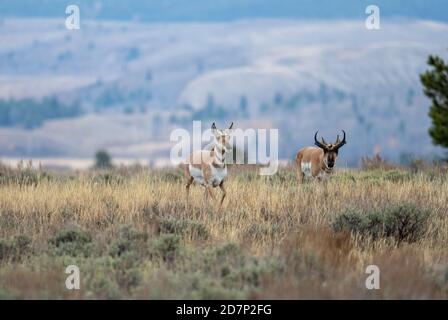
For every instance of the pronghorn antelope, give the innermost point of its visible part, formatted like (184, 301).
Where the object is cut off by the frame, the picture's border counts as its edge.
(208, 167)
(318, 162)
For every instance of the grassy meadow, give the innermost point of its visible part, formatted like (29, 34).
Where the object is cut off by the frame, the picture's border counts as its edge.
(133, 235)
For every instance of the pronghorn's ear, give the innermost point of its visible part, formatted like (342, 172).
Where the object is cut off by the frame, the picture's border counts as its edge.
(215, 131)
(231, 125)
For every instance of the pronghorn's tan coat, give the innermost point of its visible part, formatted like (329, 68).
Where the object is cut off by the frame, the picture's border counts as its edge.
(318, 162)
(208, 167)
(314, 157)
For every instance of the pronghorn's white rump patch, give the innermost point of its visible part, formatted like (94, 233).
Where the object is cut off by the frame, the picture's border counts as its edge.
(306, 168)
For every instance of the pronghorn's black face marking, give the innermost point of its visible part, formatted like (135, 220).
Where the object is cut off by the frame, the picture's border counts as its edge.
(331, 150)
(330, 157)
(222, 136)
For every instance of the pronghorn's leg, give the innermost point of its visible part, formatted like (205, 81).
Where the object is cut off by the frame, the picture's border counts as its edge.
(207, 193)
(206, 171)
(209, 190)
(300, 174)
(224, 193)
(322, 179)
(189, 179)
(187, 187)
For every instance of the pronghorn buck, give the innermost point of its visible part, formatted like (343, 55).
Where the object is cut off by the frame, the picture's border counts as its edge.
(208, 167)
(318, 162)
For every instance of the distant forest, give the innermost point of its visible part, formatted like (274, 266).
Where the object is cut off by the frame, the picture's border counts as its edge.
(29, 113)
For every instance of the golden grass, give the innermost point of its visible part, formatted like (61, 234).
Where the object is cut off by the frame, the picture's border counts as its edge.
(267, 217)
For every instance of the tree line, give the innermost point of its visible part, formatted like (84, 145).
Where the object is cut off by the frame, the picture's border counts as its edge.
(30, 113)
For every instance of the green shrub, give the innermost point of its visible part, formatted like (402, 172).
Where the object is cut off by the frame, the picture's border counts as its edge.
(406, 222)
(352, 220)
(227, 250)
(209, 289)
(5, 249)
(129, 233)
(102, 285)
(21, 244)
(7, 295)
(222, 255)
(184, 227)
(256, 232)
(127, 272)
(403, 222)
(231, 270)
(16, 249)
(128, 239)
(119, 247)
(166, 246)
(71, 242)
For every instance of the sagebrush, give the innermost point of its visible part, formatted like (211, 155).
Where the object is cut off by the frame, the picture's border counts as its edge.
(133, 235)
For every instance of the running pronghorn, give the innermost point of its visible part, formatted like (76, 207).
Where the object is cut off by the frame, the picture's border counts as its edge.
(318, 162)
(208, 167)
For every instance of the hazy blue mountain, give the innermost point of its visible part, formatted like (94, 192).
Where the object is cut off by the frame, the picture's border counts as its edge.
(225, 10)
(136, 82)
(124, 84)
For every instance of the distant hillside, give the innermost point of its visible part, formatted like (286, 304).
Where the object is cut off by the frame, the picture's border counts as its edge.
(135, 82)
(226, 10)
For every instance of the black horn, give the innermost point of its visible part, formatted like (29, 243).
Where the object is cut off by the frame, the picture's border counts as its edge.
(339, 143)
(231, 125)
(317, 143)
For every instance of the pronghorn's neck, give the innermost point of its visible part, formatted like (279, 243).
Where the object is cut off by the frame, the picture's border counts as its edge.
(219, 152)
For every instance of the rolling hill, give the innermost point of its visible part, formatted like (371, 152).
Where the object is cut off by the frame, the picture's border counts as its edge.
(136, 82)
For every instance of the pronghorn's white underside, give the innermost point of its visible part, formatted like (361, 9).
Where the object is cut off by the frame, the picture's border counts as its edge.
(217, 176)
(197, 175)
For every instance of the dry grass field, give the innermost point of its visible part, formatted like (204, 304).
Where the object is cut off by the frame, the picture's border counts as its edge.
(133, 235)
